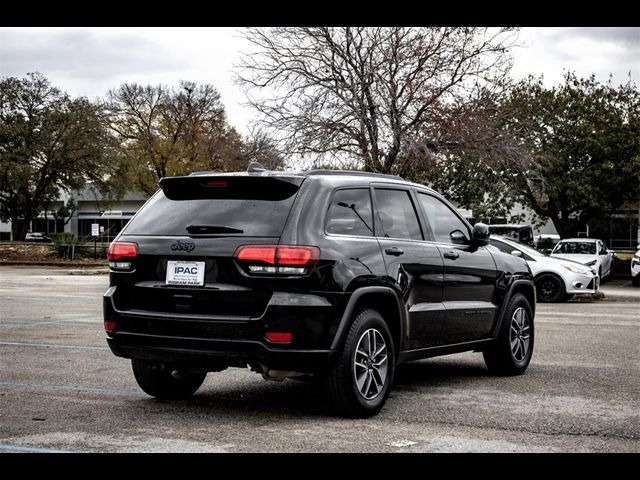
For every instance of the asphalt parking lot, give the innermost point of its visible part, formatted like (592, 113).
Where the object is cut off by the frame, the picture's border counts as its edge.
(61, 389)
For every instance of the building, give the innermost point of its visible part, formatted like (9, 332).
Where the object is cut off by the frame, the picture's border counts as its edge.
(111, 217)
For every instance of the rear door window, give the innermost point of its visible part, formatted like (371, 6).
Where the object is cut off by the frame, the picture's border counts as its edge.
(350, 213)
(397, 214)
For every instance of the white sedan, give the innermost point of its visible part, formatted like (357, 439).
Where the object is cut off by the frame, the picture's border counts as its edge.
(588, 251)
(557, 280)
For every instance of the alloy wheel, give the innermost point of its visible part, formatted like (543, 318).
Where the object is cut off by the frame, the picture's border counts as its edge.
(370, 364)
(520, 334)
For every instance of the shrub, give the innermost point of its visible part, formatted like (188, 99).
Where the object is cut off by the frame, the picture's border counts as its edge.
(64, 238)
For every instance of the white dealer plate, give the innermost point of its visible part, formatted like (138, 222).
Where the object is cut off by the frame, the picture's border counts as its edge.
(185, 273)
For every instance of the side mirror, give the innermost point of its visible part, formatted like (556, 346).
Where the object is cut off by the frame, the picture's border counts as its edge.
(480, 235)
(517, 253)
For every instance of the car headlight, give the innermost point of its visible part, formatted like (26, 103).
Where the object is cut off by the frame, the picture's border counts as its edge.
(591, 263)
(577, 269)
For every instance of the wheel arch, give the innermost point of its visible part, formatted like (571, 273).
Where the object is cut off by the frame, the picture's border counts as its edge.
(382, 299)
(525, 287)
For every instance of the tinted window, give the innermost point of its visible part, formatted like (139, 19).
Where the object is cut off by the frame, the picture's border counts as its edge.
(445, 225)
(585, 248)
(230, 216)
(520, 234)
(502, 246)
(350, 213)
(399, 219)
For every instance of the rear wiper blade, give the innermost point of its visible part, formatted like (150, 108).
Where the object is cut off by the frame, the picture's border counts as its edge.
(211, 230)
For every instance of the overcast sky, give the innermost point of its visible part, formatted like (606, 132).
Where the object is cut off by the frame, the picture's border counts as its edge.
(89, 61)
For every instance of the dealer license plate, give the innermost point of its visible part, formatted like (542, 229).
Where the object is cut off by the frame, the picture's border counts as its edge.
(185, 273)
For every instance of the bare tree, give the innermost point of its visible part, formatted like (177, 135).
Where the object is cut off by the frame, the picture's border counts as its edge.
(364, 93)
(258, 146)
(165, 131)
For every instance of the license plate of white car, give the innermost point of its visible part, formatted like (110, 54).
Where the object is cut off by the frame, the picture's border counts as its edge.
(185, 273)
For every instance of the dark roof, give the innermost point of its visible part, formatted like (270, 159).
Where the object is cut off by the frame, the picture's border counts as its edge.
(347, 174)
(331, 176)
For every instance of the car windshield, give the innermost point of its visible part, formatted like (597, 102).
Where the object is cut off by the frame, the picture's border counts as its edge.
(521, 246)
(581, 248)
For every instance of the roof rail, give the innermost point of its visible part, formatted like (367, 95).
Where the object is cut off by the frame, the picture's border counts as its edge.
(357, 173)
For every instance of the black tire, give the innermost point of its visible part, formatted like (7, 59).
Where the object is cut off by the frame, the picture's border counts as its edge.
(550, 288)
(500, 357)
(635, 281)
(340, 382)
(156, 379)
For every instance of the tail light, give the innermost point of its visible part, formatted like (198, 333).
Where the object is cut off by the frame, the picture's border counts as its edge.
(121, 254)
(273, 259)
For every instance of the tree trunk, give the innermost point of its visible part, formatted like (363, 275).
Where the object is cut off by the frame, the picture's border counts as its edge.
(558, 223)
(19, 228)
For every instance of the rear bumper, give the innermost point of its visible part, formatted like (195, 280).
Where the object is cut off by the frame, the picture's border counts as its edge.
(212, 353)
(211, 342)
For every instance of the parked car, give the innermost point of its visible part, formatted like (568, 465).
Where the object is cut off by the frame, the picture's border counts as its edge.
(588, 251)
(556, 279)
(336, 277)
(635, 268)
(520, 233)
(37, 237)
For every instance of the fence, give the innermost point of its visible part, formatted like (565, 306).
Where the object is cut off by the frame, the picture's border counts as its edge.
(47, 251)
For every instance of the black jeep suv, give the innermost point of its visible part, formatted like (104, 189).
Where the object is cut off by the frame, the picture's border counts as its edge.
(328, 275)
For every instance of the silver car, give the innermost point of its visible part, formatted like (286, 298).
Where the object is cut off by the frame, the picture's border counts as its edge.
(557, 280)
(591, 252)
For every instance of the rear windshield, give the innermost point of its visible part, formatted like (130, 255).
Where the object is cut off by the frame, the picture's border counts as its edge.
(254, 212)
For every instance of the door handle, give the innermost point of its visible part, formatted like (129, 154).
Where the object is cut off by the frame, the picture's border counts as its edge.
(395, 251)
(451, 255)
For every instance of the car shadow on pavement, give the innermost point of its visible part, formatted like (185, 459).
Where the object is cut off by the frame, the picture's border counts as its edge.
(439, 373)
(306, 399)
(257, 398)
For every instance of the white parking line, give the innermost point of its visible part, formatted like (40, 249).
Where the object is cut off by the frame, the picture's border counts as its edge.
(53, 345)
(586, 315)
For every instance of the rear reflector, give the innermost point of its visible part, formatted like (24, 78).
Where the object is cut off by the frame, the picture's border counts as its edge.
(109, 326)
(272, 259)
(279, 337)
